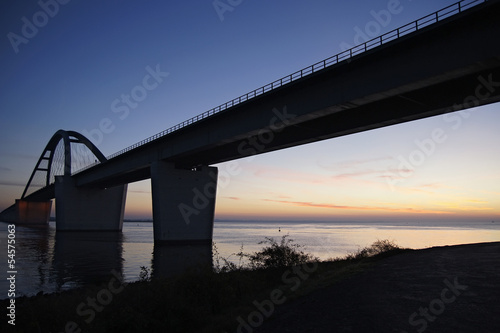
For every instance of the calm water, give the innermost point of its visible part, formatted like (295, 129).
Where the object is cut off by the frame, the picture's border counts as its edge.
(48, 261)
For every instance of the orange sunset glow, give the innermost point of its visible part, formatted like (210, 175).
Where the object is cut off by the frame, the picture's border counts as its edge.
(365, 176)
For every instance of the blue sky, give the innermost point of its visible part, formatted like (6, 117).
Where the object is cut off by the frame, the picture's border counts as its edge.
(73, 71)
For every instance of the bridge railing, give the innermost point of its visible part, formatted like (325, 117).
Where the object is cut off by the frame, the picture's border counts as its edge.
(346, 55)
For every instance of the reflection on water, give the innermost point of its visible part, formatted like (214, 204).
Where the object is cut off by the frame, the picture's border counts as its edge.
(336, 239)
(51, 261)
(48, 261)
(169, 260)
(82, 258)
(34, 253)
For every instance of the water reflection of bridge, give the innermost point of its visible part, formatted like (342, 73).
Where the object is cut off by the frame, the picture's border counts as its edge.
(56, 261)
(85, 258)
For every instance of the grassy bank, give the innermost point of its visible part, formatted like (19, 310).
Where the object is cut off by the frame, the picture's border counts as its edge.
(211, 299)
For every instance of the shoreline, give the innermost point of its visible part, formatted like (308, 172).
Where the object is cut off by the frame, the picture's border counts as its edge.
(392, 286)
(450, 288)
(93, 256)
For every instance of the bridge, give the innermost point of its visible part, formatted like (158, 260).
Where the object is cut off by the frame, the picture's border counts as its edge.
(444, 62)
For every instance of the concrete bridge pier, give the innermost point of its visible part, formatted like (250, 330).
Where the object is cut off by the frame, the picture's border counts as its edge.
(29, 212)
(183, 203)
(85, 209)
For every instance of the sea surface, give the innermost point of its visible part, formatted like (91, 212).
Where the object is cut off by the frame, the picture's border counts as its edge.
(46, 261)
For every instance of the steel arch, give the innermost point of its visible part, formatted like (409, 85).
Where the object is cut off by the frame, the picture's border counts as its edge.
(68, 137)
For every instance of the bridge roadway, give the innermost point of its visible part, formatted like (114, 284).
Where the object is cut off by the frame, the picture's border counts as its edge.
(450, 65)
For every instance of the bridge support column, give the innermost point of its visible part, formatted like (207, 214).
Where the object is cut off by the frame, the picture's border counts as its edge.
(80, 209)
(183, 203)
(32, 212)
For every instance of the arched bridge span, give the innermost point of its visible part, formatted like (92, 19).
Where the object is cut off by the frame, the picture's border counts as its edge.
(58, 159)
(77, 208)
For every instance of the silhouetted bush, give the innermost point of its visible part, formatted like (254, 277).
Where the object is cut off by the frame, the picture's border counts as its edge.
(378, 248)
(223, 265)
(275, 255)
(286, 253)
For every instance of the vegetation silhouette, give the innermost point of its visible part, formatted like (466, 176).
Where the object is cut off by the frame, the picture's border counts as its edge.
(286, 253)
(200, 300)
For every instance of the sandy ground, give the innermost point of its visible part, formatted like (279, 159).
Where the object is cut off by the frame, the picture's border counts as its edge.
(441, 289)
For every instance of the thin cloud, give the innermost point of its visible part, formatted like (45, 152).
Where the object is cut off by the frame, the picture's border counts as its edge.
(396, 174)
(426, 188)
(478, 201)
(465, 205)
(333, 206)
(351, 164)
(10, 183)
(288, 175)
(22, 156)
(489, 192)
(365, 176)
(278, 195)
(432, 185)
(373, 170)
(232, 198)
(357, 174)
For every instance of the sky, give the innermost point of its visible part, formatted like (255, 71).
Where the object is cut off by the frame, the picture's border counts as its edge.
(71, 70)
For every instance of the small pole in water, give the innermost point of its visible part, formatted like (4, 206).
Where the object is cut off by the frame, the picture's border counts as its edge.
(279, 229)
